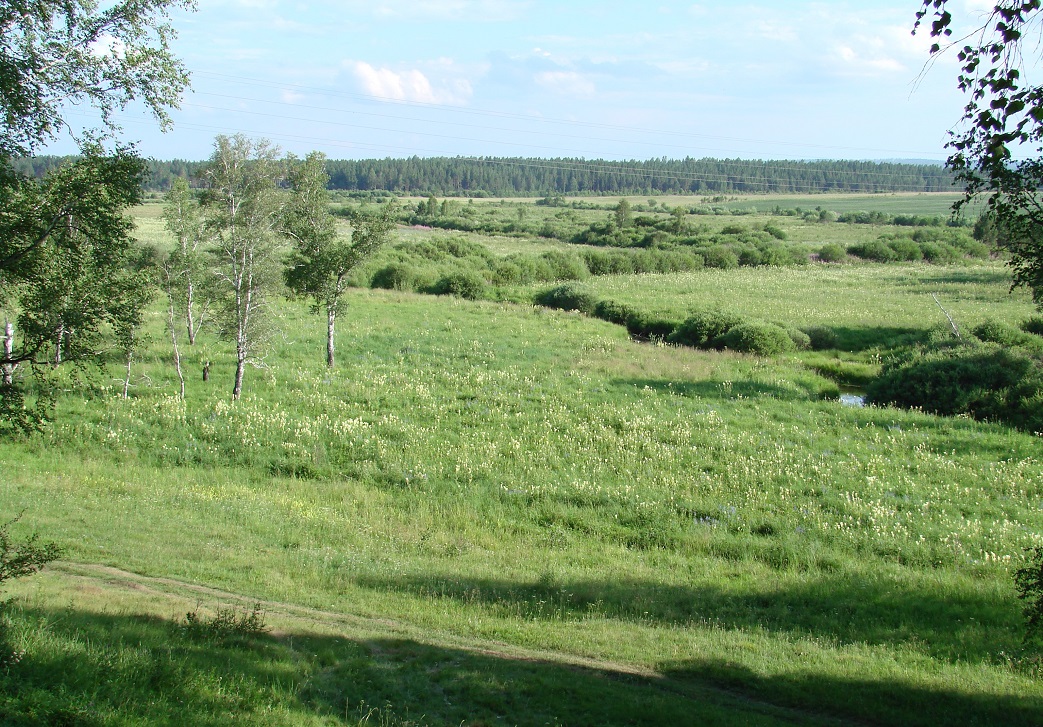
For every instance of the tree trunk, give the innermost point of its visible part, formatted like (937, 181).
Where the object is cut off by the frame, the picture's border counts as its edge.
(192, 328)
(240, 369)
(177, 351)
(126, 379)
(8, 367)
(331, 319)
(58, 345)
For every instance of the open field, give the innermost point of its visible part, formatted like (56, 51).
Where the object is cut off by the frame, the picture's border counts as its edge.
(852, 297)
(491, 513)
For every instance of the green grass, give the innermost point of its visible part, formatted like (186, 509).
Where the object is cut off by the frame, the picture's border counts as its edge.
(867, 300)
(504, 474)
(491, 513)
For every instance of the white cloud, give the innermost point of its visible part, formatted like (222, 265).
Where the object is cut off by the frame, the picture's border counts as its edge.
(410, 85)
(565, 83)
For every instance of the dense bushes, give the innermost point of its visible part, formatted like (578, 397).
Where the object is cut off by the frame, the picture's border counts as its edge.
(1007, 335)
(463, 284)
(703, 327)
(938, 246)
(832, 252)
(568, 297)
(758, 337)
(985, 381)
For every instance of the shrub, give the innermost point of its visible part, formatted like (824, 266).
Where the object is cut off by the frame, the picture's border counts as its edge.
(568, 297)
(227, 624)
(831, 252)
(1005, 334)
(1033, 325)
(775, 231)
(1028, 581)
(875, 250)
(649, 325)
(464, 284)
(821, 338)
(507, 273)
(750, 257)
(801, 340)
(939, 253)
(702, 327)
(565, 266)
(720, 256)
(775, 255)
(988, 382)
(613, 312)
(757, 337)
(396, 276)
(905, 249)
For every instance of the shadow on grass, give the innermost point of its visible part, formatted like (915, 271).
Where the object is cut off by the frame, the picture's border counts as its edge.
(857, 339)
(90, 669)
(948, 626)
(882, 702)
(714, 389)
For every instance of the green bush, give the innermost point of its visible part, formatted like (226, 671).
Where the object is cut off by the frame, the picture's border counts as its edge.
(228, 624)
(613, 312)
(750, 256)
(720, 256)
(939, 253)
(832, 252)
(507, 273)
(801, 340)
(463, 284)
(1033, 325)
(702, 327)
(565, 266)
(905, 249)
(875, 250)
(988, 382)
(396, 276)
(568, 297)
(1028, 580)
(821, 338)
(775, 255)
(994, 331)
(648, 325)
(757, 337)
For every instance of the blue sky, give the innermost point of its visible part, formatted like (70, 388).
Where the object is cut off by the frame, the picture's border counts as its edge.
(606, 79)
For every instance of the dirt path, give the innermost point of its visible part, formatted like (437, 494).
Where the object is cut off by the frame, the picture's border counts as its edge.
(288, 619)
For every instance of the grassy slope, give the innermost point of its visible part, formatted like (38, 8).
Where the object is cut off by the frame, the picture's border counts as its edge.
(533, 478)
(497, 494)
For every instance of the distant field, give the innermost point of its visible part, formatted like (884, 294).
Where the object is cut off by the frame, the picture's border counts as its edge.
(928, 203)
(851, 296)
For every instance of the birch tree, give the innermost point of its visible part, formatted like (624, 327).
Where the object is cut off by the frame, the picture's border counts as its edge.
(185, 267)
(242, 207)
(321, 259)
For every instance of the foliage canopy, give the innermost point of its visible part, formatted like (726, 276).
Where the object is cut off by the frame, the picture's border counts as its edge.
(996, 152)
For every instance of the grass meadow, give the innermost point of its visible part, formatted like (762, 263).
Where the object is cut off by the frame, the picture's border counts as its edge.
(492, 513)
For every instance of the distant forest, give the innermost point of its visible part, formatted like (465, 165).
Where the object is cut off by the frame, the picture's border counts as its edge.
(519, 177)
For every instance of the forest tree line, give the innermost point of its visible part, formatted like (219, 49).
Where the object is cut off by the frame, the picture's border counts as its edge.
(522, 177)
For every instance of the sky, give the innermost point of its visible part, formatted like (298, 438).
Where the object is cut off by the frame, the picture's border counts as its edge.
(791, 79)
